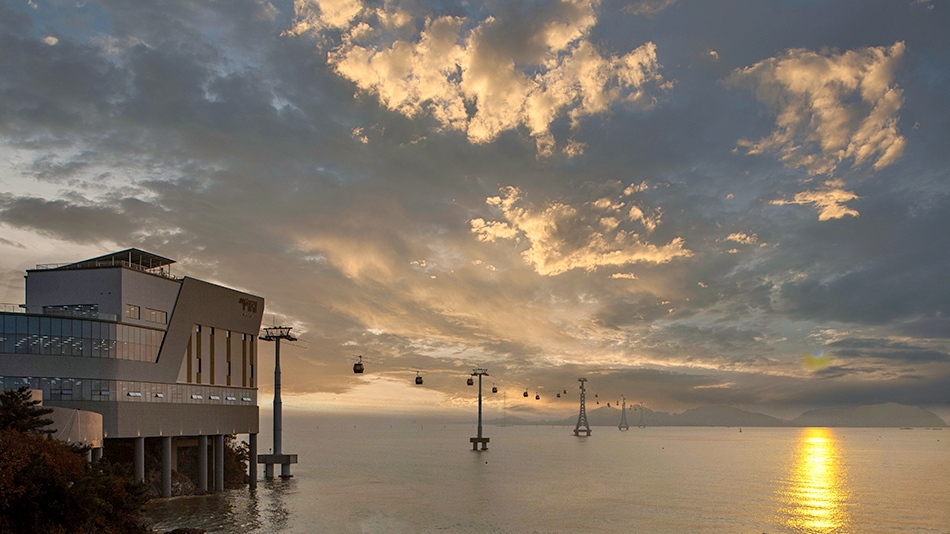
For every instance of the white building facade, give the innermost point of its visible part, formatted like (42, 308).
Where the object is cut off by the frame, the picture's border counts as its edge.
(165, 359)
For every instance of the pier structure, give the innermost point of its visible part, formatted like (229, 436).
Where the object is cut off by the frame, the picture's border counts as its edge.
(582, 425)
(479, 439)
(275, 334)
(623, 415)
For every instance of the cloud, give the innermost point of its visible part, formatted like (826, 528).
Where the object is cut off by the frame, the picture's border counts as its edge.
(561, 237)
(742, 237)
(624, 276)
(828, 199)
(829, 107)
(648, 8)
(524, 68)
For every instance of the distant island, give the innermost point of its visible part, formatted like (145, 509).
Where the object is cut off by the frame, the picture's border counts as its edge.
(889, 414)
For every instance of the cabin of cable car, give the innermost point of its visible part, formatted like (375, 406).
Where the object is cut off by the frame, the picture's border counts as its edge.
(470, 382)
(358, 366)
(418, 379)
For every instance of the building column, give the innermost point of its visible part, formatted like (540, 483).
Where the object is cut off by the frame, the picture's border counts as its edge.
(252, 461)
(138, 462)
(166, 466)
(96, 454)
(203, 463)
(219, 463)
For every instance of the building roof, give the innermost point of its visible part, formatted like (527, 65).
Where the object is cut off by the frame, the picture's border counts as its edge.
(133, 256)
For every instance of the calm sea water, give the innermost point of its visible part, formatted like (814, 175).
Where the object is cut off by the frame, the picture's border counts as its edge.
(365, 476)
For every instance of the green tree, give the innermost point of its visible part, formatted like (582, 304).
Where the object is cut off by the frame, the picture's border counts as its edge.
(18, 412)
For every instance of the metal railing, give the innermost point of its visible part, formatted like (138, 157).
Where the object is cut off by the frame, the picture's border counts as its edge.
(107, 263)
(11, 308)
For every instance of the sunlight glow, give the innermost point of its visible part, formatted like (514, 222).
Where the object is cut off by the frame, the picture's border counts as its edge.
(814, 497)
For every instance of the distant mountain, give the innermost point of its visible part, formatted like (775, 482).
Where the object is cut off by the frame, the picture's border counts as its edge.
(702, 416)
(878, 415)
(725, 416)
(889, 414)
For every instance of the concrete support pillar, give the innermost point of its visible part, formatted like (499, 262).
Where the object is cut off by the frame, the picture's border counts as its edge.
(166, 466)
(96, 454)
(268, 471)
(138, 462)
(252, 462)
(219, 463)
(285, 471)
(203, 463)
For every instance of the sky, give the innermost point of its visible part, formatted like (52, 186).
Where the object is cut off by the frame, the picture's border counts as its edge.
(743, 203)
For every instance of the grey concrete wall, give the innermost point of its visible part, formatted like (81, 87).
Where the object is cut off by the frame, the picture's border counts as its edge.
(148, 291)
(129, 419)
(76, 286)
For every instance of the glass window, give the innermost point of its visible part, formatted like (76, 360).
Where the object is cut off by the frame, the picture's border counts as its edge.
(96, 329)
(44, 326)
(56, 327)
(34, 325)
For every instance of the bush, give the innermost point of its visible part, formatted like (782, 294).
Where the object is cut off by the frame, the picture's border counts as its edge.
(48, 486)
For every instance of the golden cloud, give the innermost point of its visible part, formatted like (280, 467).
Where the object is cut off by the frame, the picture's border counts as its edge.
(560, 237)
(829, 199)
(830, 107)
(486, 79)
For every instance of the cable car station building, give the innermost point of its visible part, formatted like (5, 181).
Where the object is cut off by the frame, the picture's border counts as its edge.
(160, 357)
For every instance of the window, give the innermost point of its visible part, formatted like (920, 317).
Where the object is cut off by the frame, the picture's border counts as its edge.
(132, 311)
(156, 316)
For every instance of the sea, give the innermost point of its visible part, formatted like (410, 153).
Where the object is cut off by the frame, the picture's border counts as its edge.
(360, 475)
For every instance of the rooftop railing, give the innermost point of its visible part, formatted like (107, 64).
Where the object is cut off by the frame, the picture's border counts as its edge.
(158, 271)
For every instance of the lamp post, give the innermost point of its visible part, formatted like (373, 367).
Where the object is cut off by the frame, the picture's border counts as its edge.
(479, 439)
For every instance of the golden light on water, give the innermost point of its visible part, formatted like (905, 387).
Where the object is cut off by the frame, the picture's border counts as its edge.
(815, 494)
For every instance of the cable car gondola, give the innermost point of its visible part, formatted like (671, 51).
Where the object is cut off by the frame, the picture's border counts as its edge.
(358, 366)
(418, 379)
(537, 397)
(526, 393)
(494, 389)
(559, 394)
(470, 382)
(565, 392)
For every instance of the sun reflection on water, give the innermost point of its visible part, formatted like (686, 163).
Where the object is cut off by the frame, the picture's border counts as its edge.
(815, 495)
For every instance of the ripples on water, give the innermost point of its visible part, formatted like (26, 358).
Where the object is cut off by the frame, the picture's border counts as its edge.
(383, 478)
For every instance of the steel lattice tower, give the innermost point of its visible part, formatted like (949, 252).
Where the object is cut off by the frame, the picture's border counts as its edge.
(623, 415)
(582, 425)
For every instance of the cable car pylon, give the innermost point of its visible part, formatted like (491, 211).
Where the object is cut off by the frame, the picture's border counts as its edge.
(623, 415)
(479, 439)
(582, 425)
